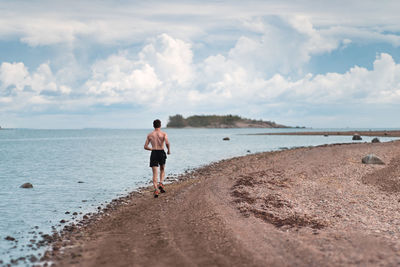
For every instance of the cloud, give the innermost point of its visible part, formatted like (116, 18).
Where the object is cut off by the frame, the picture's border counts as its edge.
(171, 58)
(230, 80)
(165, 64)
(14, 74)
(19, 88)
(163, 73)
(284, 44)
(58, 22)
(16, 77)
(380, 85)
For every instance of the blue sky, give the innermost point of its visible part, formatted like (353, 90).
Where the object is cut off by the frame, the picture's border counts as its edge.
(120, 64)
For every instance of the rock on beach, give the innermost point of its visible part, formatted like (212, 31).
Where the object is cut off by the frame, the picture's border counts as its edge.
(372, 159)
(376, 140)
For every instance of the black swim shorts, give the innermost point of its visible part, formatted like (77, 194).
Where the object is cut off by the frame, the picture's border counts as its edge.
(157, 157)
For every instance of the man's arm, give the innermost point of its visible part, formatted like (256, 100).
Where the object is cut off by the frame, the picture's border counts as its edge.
(167, 144)
(146, 145)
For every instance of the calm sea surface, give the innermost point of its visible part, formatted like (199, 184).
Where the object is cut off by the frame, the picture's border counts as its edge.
(110, 163)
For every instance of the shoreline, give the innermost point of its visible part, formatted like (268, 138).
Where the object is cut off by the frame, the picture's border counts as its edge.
(219, 207)
(390, 133)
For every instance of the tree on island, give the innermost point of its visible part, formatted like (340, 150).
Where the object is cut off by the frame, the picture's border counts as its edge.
(218, 121)
(204, 121)
(176, 121)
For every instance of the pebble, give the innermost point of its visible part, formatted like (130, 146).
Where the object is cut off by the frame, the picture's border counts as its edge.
(33, 258)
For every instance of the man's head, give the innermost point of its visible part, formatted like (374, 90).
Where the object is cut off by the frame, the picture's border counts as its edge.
(156, 124)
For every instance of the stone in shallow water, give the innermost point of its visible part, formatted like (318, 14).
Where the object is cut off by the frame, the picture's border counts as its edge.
(10, 238)
(372, 159)
(27, 185)
(226, 139)
(357, 137)
(376, 140)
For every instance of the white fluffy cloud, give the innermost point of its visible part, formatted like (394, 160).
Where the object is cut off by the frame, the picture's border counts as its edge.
(172, 59)
(358, 85)
(19, 88)
(164, 65)
(163, 73)
(226, 80)
(13, 74)
(16, 77)
(283, 45)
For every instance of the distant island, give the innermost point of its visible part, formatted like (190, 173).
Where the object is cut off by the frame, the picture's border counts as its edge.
(217, 121)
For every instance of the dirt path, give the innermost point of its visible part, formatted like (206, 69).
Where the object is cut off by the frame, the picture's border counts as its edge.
(303, 207)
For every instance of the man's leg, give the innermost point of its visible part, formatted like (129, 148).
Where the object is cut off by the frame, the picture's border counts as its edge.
(155, 170)
(162, 176)
(162, 173)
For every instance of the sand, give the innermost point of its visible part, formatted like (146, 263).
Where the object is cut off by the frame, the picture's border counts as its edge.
(304, 207)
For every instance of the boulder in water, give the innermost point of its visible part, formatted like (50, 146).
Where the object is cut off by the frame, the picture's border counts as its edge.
(27, 185)
(357, 137)
(376, 140)
(372, 159)
(9, 238)
(226, 139)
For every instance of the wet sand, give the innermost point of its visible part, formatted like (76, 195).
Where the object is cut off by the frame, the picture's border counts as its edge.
(345, 133)
(303, 207)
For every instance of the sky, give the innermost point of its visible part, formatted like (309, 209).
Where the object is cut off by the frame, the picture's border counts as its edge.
(122, 64)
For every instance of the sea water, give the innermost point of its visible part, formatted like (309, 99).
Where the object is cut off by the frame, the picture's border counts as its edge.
(76, 170)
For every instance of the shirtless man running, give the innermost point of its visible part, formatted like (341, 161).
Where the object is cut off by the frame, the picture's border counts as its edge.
(157, 158)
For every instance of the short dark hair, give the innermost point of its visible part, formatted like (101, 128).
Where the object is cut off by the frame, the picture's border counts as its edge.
(157, 123)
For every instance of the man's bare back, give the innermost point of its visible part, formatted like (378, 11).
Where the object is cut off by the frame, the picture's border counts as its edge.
(157, 138)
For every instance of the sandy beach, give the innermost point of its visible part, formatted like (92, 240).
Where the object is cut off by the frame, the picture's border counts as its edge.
(315, 206)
